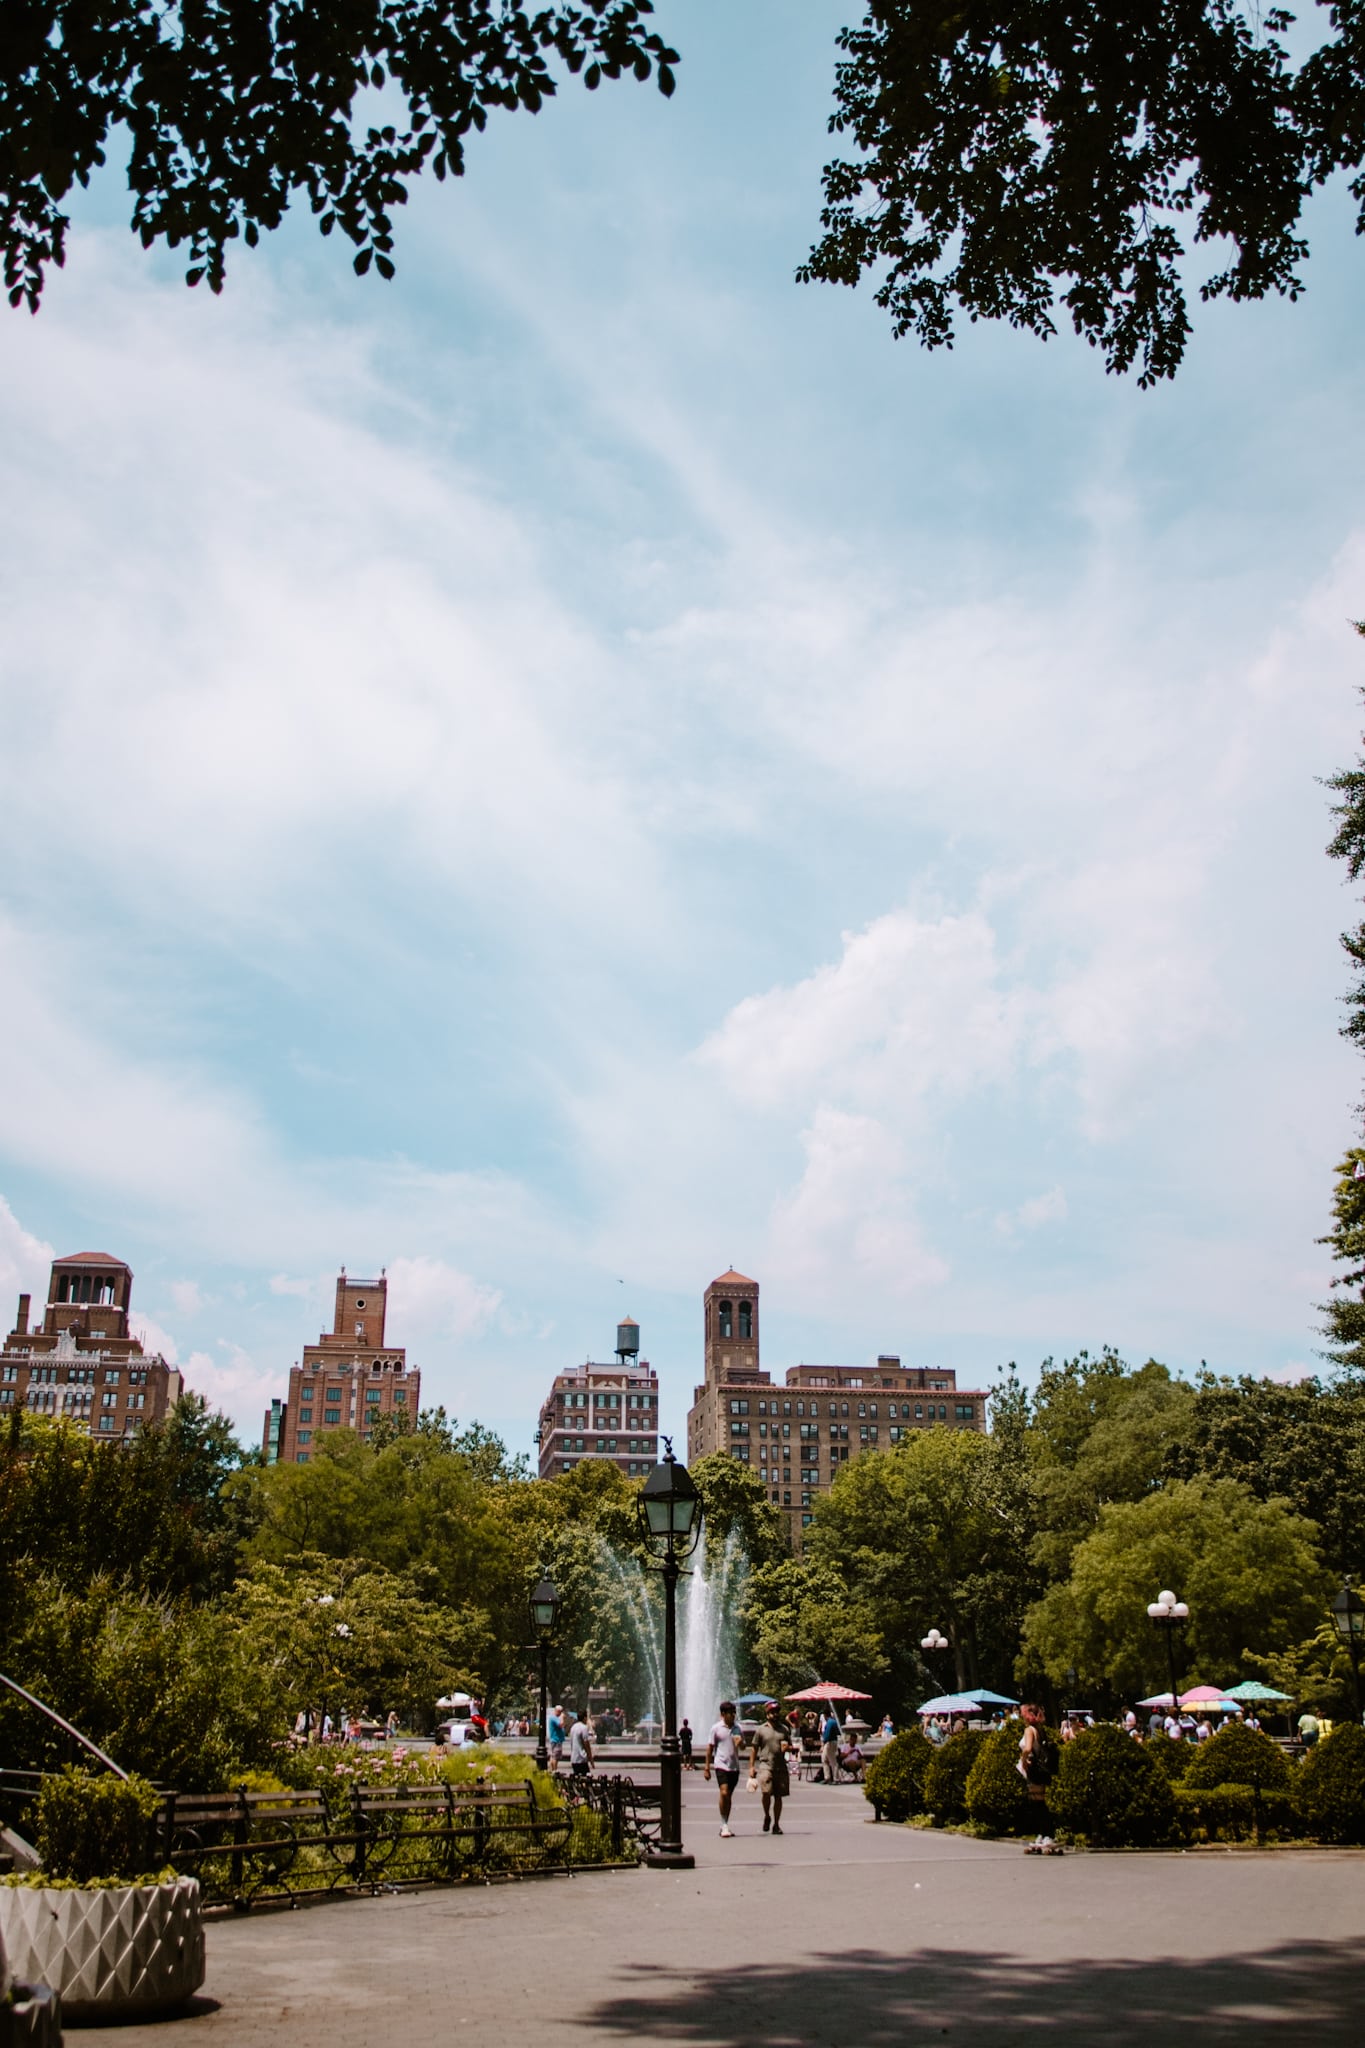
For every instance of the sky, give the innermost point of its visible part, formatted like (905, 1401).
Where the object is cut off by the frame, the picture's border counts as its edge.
(592, 763)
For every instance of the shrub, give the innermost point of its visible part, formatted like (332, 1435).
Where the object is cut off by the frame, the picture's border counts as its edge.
(945, 1781)
(1239, 1756)
(997, 1796)
(895, 1777)
(1172, 1759)
(1329, 1786)
(91, 1827)
(1232, 1813)
(1108, 1789)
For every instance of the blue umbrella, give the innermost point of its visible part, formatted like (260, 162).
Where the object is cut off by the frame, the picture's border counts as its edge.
(752, 1699)
(963, 1702)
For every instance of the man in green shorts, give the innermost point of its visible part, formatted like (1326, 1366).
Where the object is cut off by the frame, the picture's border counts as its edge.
(769, 1764)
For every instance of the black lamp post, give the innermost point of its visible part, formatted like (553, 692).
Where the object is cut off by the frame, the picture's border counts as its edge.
(933, 1643)
(1348, 1612)
(1170, 1614)
(670, 1517)
(544, 1611)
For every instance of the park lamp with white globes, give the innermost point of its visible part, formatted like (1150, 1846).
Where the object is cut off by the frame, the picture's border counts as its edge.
(1348, 1615)
(670, 1522)
(933, 1643)
(544, 1614)
(1169, 1614)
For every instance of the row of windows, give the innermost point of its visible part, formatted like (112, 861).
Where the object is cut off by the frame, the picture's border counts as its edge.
(636, 1467)
(80, 1288)
(725, 1319)
(598, 1399)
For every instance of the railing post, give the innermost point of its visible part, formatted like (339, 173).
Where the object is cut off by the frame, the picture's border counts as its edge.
(480, 1823)
(241, 1829)
(618, 1816)
(358, 1818)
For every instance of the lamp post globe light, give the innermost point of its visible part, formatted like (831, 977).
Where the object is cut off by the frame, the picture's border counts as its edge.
(670, 1521)
(544, 1613)
(1169, 1614)
(1348, 1612)
(933, 1643)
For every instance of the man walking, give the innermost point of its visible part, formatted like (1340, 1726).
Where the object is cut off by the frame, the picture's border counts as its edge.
(554, 1735)
(769, 1753)
(722, 1755)
(580, 1749)
(685, 1743)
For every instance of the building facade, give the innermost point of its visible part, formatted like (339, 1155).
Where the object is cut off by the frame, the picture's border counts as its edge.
(603, 1411)
(798, 1437)
(83, 1365)
(345, 1380)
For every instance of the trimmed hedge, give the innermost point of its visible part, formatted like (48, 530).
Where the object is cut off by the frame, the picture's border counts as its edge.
(1329, 1786)
(1238, 1756)
(895, 1777)
(89, 1827)
(997, 1796)
(1172, 1759)
(1230, 1813)
(945, 1781)
(1108, 1789)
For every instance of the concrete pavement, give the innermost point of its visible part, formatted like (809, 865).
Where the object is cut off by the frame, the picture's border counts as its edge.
(841, 1932)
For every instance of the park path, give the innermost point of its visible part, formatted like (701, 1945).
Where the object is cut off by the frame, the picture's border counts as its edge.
(841, 1933)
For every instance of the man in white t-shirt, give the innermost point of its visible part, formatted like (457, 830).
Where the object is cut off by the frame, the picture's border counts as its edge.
(580, 1749)
(722, 1756)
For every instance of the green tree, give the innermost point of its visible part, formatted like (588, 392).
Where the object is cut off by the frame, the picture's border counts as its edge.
(1343, 1316)
(224, 113)
(1099, 1432)
(735, 1503)
(800, 1622)
(1017, 158)
(933, 1533)
(1249, 1569)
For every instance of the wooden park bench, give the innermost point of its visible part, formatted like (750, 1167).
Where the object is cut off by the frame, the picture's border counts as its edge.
(410, 1834)
(241, 1843)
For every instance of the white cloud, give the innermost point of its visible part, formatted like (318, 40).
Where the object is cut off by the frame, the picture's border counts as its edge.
(154, 1340)
(234, 1383)
(281, 1283)
(1032, 1214)
(24, 1264)
(848, 1225)
(431, 1298)
(187, 1296)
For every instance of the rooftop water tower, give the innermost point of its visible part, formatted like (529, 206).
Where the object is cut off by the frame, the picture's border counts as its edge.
(627, 1341)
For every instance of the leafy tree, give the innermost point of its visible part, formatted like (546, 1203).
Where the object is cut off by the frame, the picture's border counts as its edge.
(1021, 156)
(1099, 1432)
(1344, 1315)
(1304, 1444)
(735, 1503)
(933, 1532)
(227, 112)
(801, 1622)
(1249, 1569)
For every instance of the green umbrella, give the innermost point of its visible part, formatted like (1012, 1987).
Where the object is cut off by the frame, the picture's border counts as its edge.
(1253, 1692)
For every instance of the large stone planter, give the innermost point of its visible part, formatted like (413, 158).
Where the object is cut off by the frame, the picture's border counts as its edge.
(106, 1953)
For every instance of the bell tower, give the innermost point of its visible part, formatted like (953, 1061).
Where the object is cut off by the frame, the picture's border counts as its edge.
(730, 1312)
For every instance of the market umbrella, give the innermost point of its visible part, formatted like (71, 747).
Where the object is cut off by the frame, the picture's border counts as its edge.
(994, 1699)
(951, 1703)
(826, 1692)
(1202, 1696)
(752, 1699)
(1251, 1691)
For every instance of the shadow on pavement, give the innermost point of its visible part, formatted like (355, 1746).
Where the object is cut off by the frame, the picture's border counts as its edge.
(1300, 1992)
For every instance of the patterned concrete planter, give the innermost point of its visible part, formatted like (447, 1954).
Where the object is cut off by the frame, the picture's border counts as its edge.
(106, 1953)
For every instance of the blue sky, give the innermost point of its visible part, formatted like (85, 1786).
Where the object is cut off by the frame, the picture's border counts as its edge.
(592, 763)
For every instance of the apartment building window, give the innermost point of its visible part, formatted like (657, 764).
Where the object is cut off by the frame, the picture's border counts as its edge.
(106, 1422)
(965, 1411)
(806, 1521)
(786, 1500)
(6, 1396)
(109, 1400)
(894, 1433)
(739, 1429)
(305, 1436)
(111, 1375)
(371, 1394)
(739, 1407)
(786, 1407)
(786, 1429)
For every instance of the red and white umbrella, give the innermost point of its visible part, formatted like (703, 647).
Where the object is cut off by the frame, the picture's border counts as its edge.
(828, 1692)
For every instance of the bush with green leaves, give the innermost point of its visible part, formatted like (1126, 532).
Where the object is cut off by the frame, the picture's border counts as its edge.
(945, 1781)
(997, 1796)
(1109, 1790)
(89, 1827)
(1172, 1759)
(1329, 1786)
(895, 1777)
(1238, 1756)
(1232, 1813)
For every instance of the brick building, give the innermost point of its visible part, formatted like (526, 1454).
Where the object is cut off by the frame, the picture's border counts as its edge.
(798, 1437)
(344, 1380)
(83, 1365)
(603, 1411)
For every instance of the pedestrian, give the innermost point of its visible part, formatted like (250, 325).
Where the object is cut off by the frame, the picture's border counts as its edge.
(580, 1750)
(1037, 1767)
(829, 1750)
(1130, 1723)
(554, 1735)
(768, 1755)
(1156, 1721)
(438, 1735)
(887, 1729)
(933, 1729)
(685, 1743)
(722, 1756)
(1204, 1729)
(391, 1726)
(1308, 1728)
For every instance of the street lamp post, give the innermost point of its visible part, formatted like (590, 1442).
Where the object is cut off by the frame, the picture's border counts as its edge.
(1348, 1612)
(544, 1612)
(670, 1519)
(1170, 1614)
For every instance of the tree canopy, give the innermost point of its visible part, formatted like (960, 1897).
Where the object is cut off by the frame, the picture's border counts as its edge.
(1017, 158)
(228, 112)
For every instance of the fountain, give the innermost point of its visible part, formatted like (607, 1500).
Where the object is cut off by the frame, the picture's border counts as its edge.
(709, 1598)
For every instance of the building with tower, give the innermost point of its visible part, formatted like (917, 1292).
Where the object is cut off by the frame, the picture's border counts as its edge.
(798, 1437)
(83, 1365)
(603, 1411)
(344, 1381)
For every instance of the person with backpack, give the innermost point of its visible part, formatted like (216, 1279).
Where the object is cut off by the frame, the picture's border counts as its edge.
(1037, 1767)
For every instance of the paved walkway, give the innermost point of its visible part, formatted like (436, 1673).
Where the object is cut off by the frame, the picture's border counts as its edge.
(841, 1933)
